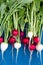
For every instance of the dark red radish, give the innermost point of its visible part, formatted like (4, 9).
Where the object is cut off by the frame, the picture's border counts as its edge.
(12, 40)
(25, 40)
(21, 35)
(36, 40)
(32, 47)
(14, 32)
(1, 40)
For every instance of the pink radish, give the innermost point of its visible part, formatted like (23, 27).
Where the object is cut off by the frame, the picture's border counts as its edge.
(17, 47)
(4, 46)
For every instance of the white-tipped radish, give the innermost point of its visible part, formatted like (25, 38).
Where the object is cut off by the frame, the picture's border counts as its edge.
(17, 46)
(30, 34)
(39, 48)
(4, 46)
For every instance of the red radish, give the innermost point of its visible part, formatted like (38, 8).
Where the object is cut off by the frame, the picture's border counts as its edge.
(12, 40)
(25, 40)
(1, 39)
(14, 32)
(32, 47)
(36, 40)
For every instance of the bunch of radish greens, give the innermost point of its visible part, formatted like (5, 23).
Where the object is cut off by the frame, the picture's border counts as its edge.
(14, 16)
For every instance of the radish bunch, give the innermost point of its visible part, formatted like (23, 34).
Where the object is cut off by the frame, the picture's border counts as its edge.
(31, 41)
(14, 23)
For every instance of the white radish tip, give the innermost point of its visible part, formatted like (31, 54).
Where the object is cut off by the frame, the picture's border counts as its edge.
(4, 46)
(17, 45)
(39, 47)
(30, 34)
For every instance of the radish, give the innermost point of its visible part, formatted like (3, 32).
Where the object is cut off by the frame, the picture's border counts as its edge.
(4, 46)
(39, 48)
(14, 32)
(17, 46)
(36, 40)
(25, 41)
(12, 40)
(32, 47)
(21, 35)
(1, 40)
(30, 34)
(31, 52)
